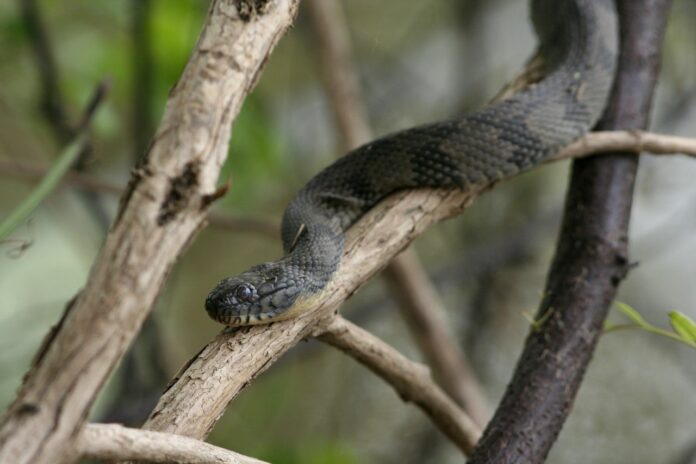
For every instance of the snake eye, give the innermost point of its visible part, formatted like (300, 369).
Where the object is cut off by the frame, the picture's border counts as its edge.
(244, 292)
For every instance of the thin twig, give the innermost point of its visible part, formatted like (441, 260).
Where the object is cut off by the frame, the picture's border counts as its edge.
(635, 141)
(418, 300)
(411, 380)
(116, 442)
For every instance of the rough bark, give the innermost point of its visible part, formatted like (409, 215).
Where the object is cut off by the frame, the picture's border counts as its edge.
(164, 206)
(591, 260)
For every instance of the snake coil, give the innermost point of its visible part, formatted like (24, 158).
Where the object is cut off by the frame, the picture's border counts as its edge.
(578, 48)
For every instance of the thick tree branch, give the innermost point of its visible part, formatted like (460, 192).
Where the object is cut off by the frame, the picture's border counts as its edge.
(418, 300)
(114, 442)
(412, 381)
(164, 206)
(591, 260)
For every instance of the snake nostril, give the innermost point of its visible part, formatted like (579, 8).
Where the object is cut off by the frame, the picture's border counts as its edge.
(214, 303)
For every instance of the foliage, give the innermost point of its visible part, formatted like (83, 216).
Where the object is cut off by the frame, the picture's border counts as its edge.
(684, 328)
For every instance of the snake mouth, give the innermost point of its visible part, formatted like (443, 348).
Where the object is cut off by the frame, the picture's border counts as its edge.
(222, 310)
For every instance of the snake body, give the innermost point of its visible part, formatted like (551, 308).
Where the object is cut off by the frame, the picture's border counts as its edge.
(578, 48)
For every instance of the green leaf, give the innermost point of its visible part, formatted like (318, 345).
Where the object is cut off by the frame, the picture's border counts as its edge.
(631, 313)
(683, 325)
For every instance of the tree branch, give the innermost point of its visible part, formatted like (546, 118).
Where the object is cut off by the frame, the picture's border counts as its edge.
(411, 380)
(163, 208)
(634, 141)
(115, 442)
(591, 260)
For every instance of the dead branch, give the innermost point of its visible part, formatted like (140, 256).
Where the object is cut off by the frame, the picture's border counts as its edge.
(160, 212)
(634, 141)
(411, 380)
(115, 442)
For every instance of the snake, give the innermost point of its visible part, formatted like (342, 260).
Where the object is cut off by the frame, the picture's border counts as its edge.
(578, 42)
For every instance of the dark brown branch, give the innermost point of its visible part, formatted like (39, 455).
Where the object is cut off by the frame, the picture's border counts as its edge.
(591, 260)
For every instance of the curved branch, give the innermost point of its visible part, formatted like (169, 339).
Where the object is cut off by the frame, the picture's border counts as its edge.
(115, 442)
(411, 380)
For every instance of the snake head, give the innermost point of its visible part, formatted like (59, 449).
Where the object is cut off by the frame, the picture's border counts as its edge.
(263, 294)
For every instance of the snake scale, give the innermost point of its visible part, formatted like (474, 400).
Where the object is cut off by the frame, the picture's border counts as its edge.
(578, 49)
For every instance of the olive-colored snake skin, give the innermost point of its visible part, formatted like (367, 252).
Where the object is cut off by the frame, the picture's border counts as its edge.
(578, 46)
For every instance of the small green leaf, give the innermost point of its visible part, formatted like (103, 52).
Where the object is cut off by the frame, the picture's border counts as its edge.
(683, 325)
(631, 313)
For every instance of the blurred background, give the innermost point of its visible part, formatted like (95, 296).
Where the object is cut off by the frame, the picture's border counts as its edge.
(417, 62)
